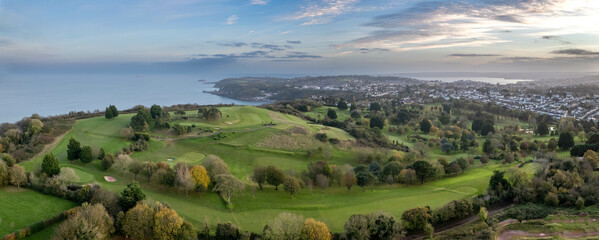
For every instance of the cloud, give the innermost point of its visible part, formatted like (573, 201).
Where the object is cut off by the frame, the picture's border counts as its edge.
(323, 12)
(441, 24)
(576, 52)
(521, 59)
(232, 19)
(273, 47)
(369, 50)
(259, 2)
(294, 42)
(472, 55)
(232, 44)
(300, 55)
(555, 38)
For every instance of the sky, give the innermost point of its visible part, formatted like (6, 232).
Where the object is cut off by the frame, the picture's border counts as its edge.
(270, 37)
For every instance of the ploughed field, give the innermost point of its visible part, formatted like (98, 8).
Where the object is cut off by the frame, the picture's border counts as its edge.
(246, 137)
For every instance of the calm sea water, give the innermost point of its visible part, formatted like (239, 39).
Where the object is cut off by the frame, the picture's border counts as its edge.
(491, 80)
(23, 95)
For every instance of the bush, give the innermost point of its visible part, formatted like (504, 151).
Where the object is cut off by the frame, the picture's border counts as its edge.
(321, 137)
(141, 135)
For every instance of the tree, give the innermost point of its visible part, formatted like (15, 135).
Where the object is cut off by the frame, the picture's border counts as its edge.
(228, 186)
(167, 224)
(131, 195)
(365, 178)
(477, 125)
(4, 177)
(357, 227)
(322, 181)
(86, 154)
(315, 230)
(292, 185)
(101, 154)
(416, 218)
(488, 147)
(274, 176)
(50, 165)
(349, 180)
(392, 169)
(155, 111)
(342, 105)
(108, 113)
(179, 129)
(259, 176)
(332, 114)
(542, 129)
(109, 199)
(225, 231)
(565, 141)
(200, 177)
(89, 222)
(73, 150)
(148, 169)
(377, 121)
(135, 168)
(482, 214)
(551, 145)
(487, 128)
(425, 125)
(108, 161)
(17, 175)
(375, 106)
(423, 170)
(444, 119)
(185, 180)
(286, 226)
(139, 222)
(115, 112)
(375, 168)
(215, 166)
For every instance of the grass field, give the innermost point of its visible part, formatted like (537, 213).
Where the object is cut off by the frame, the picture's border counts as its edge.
(21, 207)
(241, 150)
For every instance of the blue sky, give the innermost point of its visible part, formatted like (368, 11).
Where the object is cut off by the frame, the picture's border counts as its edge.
(299, 37)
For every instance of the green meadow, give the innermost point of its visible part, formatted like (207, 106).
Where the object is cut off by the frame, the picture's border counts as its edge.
(21, 207)
(259, 137)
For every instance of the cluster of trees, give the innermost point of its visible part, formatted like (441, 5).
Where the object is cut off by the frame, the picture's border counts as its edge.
(111, 112)
(210, 114)
(27, 137)
(83, 153)
(11, 173)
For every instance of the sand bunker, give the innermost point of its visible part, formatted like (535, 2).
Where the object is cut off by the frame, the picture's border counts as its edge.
(109, 179)
(170, 159)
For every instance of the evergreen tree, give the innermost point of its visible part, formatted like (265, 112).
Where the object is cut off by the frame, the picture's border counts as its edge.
(342, 105)
(565, 141)
(50, 165)
(86, 154)
(130, 196)
(115, 112)
(425, 125)
(108, 113)
(332, 114)
(74, 150)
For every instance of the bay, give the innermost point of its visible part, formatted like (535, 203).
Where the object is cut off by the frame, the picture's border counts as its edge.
(24, 94)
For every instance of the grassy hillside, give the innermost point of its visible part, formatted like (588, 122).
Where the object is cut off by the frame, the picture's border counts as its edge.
(20, 207)
(247, 142)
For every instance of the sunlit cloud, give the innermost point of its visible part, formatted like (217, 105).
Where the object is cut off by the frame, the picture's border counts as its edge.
(428, 25)
(259, 2)
(323, 12)
(232, 19)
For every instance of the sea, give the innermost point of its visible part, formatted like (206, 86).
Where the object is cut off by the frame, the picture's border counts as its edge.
(25, 94)
(492, 80)
(22, 95)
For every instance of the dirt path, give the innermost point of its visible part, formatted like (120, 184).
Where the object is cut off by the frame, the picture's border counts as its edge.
(211, 134)
(48, 147)
(444, 228)
(511, 234)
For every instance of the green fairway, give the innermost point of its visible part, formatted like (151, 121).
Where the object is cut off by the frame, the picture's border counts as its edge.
(245, 143)
(22, 207)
